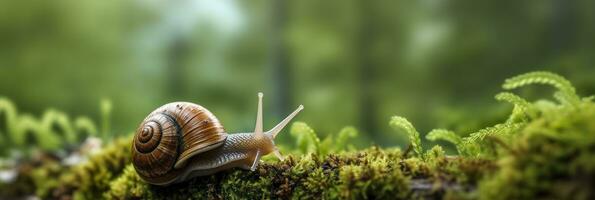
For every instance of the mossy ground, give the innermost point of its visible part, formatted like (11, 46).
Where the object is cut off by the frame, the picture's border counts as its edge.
(544, 150)
(372, 173)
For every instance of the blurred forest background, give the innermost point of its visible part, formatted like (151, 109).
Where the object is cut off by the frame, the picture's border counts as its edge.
(348, 62)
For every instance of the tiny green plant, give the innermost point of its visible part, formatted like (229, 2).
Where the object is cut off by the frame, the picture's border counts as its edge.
(523, 110)
(54, 131)
(446, 135)
(106, 109)
(28, 133)
(397, 122)
(564, 86)
(341, 142)
(58, 124)
(8, 114)
(84, 128)
(306, 139)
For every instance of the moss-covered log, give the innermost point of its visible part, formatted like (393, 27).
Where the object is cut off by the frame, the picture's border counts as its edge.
(369, 174)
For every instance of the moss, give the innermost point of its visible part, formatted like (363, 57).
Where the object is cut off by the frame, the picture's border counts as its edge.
(372, 173)
(91, 179)
(126, 186)
(554, 157)
(44, 177)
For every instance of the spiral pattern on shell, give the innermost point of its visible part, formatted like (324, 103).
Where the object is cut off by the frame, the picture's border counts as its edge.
(169, 136)
(156, 147)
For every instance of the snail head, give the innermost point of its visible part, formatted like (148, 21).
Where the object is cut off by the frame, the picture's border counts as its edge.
(267, 138)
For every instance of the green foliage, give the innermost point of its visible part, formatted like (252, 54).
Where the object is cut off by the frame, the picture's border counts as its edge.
(305, 138)
(58, 124)
(106, 110)
(446, 135)
(339, 143)
(7, 123)
(84, 128)
(54, 131)
(566, 89)
(397, 122)
(307, 141)
(552, 158)
(28, 134)
(473, 145)
(523, 112)
(521, 109)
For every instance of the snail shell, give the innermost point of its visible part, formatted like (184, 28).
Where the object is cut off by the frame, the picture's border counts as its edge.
(182, 140)
(169, 136)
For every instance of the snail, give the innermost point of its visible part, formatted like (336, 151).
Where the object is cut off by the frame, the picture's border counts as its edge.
(182, 140)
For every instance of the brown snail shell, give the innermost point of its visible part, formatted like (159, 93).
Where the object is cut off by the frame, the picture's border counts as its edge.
(169, 136)
(180, 140)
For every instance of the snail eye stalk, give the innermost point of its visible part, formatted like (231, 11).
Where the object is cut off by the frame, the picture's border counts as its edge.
(258, 127)
(285, 121)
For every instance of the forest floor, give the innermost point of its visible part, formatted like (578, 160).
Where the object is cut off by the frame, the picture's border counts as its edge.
(545, 149)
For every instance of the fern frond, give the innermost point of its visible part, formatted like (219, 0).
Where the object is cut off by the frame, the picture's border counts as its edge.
(546, 78)
(540, 77)
(397, 122)
(563, 99)
(84, 127)
(446, 135)
(470, 142)
(497, 129)
(306, 139)
(443, 134)
(347, 133)
(8, 113)
(521, 106)
(513, 99)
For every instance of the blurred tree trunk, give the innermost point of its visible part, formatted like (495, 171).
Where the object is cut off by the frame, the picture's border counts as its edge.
(279, 61)
(563, 26)
(177, 55)
(365, 69)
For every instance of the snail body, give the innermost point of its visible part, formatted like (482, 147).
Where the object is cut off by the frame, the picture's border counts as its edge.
(182, 140)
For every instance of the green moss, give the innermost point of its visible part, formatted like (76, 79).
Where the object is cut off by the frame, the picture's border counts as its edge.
(372, 173)
(92, 178)
(554, 157)
(126, 186)
(44, 177)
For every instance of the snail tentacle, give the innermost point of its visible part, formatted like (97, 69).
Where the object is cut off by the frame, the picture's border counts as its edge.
(258, 127)
(278, 154)
(256, 160)
(275, 130)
